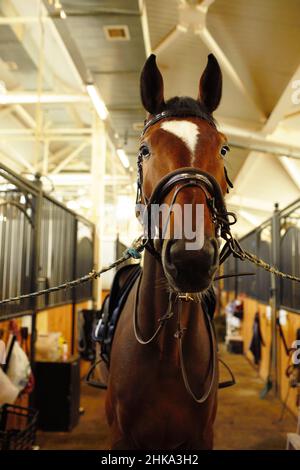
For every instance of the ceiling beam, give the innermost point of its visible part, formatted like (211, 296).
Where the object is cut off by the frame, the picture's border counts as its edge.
(82, 131)
(172, 35)
(254, 140)
(65, 162)
(193, 17)
(291, 169)
(44, 98)
(62, 152)
(235, 200)
(252, 219)
(145, 27)
(283, 105)
(11, 152)
(24, 116)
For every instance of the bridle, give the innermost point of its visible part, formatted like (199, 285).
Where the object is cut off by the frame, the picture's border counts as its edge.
(178, 180)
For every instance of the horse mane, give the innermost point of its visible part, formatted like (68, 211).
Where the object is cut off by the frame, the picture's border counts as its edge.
(185, 104)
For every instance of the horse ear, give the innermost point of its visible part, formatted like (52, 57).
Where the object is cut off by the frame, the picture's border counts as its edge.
(210, 86)
(152, 86)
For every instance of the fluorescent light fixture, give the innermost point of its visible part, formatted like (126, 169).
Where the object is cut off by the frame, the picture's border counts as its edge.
(32, 98)
(63, 15)
(97, 101)
(123, 157)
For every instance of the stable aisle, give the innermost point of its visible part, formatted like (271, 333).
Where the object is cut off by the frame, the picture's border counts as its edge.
(244, 421)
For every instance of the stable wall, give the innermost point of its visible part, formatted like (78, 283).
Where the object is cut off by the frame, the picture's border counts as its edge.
(252, 306)
(59, 319)
(289, 329)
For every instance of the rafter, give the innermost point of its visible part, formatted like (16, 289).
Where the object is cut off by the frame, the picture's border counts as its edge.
(69, 158)
(283, 105)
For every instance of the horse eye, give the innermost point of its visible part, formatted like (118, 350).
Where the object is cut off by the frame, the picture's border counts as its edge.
(224, 150)
(144, 151)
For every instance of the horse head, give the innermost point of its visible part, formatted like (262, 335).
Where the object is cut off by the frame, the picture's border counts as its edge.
(181, 160)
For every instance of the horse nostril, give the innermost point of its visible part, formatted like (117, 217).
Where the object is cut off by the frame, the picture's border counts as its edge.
(190, 270)
(178, 258)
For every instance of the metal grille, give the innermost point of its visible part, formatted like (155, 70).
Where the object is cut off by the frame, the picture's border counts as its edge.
(34, 227)
(290, 263)
(263, 278)
(247, 284)
(57, 256)
(16, 246)
(84, 259)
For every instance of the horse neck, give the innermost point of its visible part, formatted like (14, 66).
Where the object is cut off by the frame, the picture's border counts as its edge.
(153, 304)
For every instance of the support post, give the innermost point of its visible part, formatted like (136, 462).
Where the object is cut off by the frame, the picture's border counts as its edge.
(35, 276)
(74, 291)
(98, 197)
(275, 293)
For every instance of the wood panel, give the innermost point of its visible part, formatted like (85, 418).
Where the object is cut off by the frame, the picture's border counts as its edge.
(60, 319)
(56, 319)
(289, 329)
(251, 306)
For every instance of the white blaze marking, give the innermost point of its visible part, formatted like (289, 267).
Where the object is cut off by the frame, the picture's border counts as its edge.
(187, 131)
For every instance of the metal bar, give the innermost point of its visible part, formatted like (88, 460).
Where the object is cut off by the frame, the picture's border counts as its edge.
(45, 98)
(48, 132)
(69, 158)
(275, 296)
(9, 316)
(74, 293)
(54, 138)
(35, 264)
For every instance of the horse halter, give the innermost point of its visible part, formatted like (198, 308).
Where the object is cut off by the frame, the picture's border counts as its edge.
(179, 179)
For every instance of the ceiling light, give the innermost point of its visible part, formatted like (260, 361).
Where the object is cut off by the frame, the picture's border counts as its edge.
(32, 98)
(97, 101)
(123, 157)
(62, 14)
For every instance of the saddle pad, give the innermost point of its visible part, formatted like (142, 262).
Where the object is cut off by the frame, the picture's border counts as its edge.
(112, 308)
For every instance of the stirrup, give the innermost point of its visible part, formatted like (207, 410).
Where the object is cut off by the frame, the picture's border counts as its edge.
(227, 383)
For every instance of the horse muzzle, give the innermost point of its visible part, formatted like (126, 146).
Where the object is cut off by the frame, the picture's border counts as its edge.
(190, 270)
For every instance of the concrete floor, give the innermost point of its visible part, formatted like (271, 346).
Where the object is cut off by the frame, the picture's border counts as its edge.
(244, 421)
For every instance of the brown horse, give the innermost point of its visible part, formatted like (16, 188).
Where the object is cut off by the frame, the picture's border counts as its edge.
(151, 399)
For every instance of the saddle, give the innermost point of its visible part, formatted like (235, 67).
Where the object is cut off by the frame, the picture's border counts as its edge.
(112, 307)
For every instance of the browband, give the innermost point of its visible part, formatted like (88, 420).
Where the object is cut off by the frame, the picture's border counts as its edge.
(171, 113)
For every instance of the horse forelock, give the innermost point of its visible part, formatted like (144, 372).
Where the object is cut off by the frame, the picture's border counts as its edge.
(186, 105)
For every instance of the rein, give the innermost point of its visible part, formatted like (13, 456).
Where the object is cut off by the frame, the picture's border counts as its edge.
(177, 299)
(220, 216)
(222, 220)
